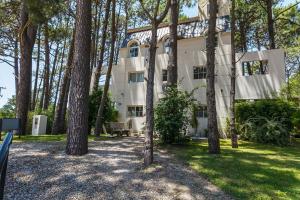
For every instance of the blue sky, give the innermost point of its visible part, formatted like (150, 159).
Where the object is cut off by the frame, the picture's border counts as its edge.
(7, 77)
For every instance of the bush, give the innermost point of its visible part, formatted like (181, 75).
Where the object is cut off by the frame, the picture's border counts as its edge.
(265, 121)
(296, 123)
(110, 113)
(172, 115)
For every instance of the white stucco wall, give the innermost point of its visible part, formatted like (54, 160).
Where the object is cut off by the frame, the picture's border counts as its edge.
(191, 52)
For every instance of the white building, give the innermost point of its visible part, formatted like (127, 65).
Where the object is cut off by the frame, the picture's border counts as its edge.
(128, 86)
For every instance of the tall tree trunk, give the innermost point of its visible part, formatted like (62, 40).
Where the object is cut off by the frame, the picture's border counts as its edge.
(27, 40)
(42, 97)
(59, 76)
(53, 71)
(243, 36)
(172, 63)
(47, 69)
(148, 152)
(97, 33)
(77, 138)
(118, 37)
(234, 138)
(257, 40)
(16, 68)
(93, 45)
(37, 70)
(126, 7)
(100, 120)
(155, 21)
(38, 91)
(101, 57)
(213, 133)
(271, 24)
(60, 111)
(244, 47)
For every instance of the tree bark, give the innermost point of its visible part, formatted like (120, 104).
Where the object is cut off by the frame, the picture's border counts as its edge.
(271, 24)
(60, 111)
(36, 71)
(213, 133)
(93, 41)
(233, 132)
(98, 25)
(27, 40)
(16, 68)
(100, 120)
(47, 69)
(101, 57)
(155, 21)
(38, 91)
(42, 97)
(118, 37)
(77, 138)
(59, 76)
(172, 63)
(53, 71)
(257, 40)
(148, 152)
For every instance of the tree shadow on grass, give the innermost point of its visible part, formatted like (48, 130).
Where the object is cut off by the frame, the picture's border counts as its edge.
(250, 172)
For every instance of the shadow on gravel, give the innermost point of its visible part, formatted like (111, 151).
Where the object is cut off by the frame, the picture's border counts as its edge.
(112, 170)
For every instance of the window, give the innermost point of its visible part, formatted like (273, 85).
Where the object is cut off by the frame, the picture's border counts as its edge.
(202, 112)
(167, 46)
(134, 50)
(164, 75)
(199, 72)
(135, 111)
(136, 77)
(258, 67)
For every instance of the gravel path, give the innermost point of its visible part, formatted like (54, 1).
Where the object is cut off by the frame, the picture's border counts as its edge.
(112, 170)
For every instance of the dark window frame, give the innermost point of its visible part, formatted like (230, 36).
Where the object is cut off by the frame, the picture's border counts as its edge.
(134, 78)
(134, 50)
(135, 111)
(202, 111)
(164, 75)
(199, 72)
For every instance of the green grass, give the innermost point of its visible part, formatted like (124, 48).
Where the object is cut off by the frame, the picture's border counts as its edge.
(254, 171)
(49, 138)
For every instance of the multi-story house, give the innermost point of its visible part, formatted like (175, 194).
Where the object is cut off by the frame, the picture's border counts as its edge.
(259, 73)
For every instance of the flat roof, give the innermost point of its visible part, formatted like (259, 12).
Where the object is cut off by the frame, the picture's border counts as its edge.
(164, 24)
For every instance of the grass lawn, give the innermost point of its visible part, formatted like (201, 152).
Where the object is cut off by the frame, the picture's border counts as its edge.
(49, 138)
(254, 171)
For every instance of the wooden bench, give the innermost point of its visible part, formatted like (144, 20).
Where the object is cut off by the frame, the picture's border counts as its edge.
(117, 128)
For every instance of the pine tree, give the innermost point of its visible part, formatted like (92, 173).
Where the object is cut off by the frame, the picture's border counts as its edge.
(77, 140)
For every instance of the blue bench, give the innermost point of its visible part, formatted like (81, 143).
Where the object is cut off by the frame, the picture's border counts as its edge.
(6, 125)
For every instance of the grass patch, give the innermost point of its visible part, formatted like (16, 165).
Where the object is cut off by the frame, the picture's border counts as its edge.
(50, 138)
(254, 171)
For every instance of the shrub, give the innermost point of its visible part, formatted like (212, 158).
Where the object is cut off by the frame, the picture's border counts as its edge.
(264, 130)
(172, 115)
(296, 123)
(265, 121)
(109, 114)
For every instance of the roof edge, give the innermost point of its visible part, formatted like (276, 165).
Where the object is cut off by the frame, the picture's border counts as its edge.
(165, 24)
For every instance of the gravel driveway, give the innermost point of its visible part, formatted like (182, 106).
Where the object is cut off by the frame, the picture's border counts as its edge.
(112, 170)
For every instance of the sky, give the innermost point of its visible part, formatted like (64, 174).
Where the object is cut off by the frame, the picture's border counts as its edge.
(7, 76)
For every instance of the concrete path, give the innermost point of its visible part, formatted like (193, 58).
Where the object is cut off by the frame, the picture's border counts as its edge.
(112, 170)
